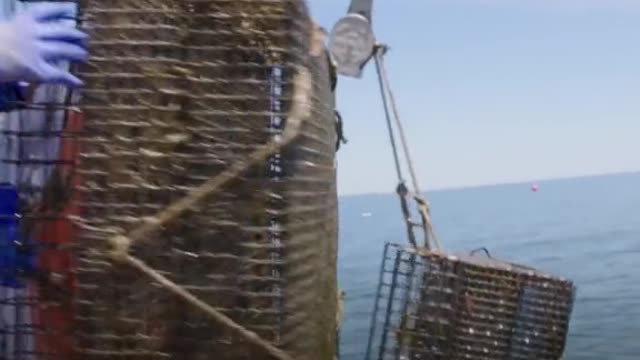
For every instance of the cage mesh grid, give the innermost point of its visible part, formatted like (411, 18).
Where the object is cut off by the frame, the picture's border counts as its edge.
(176, 91)
(434, 306)
(36, 156)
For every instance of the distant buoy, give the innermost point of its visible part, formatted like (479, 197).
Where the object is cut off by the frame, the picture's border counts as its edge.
(535, 187)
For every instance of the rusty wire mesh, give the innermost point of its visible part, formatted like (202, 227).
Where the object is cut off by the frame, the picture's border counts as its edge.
(433, 306)
(176, 92)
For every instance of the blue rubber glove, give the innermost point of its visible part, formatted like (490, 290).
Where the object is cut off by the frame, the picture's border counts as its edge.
(34, 40)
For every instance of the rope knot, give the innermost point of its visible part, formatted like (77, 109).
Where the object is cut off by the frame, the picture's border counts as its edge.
(120, 245)
(402, 189)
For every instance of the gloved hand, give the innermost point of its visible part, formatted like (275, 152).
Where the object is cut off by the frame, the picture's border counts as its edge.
(32, 41)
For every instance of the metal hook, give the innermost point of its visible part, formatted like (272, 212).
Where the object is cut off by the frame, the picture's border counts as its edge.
(483, 249)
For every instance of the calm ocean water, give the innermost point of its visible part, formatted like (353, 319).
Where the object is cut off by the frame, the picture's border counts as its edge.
(585, 229)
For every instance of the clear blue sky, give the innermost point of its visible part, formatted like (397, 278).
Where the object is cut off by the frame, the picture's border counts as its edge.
(496, 91)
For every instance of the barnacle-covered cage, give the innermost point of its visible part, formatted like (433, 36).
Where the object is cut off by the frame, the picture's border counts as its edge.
(435, 306)
(232, 94)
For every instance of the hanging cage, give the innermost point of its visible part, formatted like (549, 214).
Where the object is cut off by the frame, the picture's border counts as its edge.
(227, 102)
(435, 306)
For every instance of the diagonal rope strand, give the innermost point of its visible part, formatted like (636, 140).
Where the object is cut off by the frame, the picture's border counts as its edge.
(298, 113)
(214, 314)
(403, 139)
(121, 244)
(388, 99)
(385, 104)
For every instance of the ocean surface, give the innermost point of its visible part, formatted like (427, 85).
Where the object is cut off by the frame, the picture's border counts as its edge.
(586, 229)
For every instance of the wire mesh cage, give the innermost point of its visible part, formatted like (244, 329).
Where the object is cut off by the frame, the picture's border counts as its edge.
(434, 306)
(178, 93)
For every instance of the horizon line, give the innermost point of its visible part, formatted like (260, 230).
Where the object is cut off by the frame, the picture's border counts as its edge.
(508, 182)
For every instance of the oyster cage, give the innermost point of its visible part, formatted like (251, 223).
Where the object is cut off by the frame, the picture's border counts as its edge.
(433, 306)
(177, 93)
